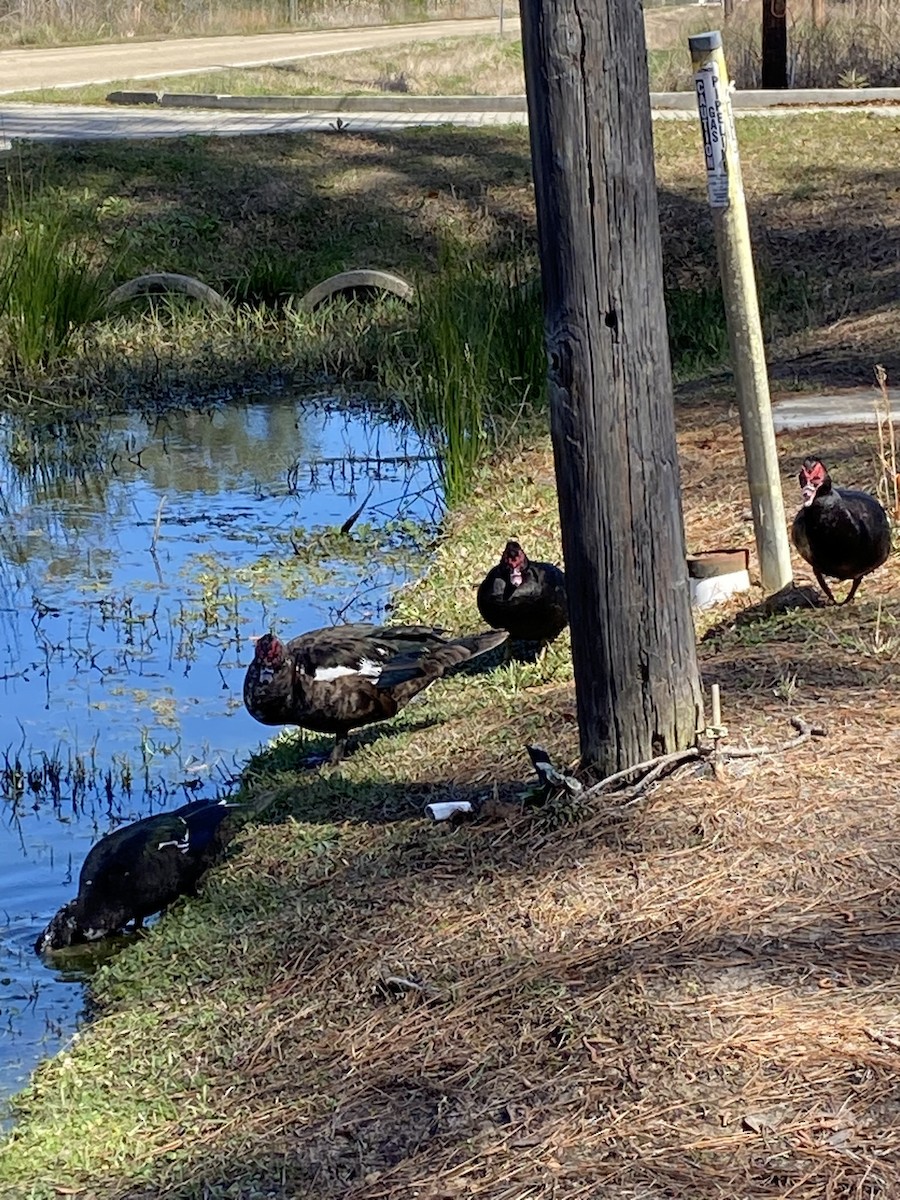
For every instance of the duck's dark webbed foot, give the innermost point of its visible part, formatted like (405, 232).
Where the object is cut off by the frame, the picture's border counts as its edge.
(820, 580)
(848, 599)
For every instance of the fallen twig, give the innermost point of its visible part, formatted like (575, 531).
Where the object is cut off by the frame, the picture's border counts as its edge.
(354, 516)
(656, 765)
(654, 768)
(804, 733)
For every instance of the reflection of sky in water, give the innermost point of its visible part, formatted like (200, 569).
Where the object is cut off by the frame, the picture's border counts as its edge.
(116, 654)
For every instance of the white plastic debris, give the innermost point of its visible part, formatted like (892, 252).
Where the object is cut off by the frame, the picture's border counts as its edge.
(717, 574)
(447, 808)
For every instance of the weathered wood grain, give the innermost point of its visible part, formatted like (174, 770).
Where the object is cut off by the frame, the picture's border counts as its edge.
(612, 412)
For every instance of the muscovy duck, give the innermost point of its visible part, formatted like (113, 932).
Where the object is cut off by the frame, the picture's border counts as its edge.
(526, 598)
(137, 870)
(841, 533)
(335, 680)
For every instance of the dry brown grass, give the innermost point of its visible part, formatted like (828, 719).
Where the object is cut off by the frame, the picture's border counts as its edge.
(699, 1001)
(45, 22)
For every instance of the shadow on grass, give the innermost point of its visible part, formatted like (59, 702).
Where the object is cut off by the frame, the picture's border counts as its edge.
(262, 216)
(535, 1082)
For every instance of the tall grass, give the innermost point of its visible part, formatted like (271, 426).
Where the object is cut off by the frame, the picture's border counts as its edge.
(52, 281)
(473, 375)
(45, 22)
(857, 45)
(698, 335)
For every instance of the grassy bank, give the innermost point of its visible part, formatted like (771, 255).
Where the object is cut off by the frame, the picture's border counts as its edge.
(855, 47)
(486, 65)
(264, 219)
(696, 997)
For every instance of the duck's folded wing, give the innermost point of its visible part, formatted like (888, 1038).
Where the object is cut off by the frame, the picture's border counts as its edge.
(341, 650)
(401, 669)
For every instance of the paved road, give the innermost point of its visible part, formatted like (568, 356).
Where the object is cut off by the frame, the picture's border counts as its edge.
(54, 122)
(74, 66)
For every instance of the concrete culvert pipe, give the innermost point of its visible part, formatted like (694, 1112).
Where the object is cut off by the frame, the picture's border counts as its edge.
(165, 283)
(356, 284)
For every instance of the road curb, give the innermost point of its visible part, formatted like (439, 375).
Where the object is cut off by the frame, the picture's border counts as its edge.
(679, 101)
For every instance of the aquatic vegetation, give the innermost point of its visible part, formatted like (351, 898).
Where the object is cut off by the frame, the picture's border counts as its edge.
(472, 370)
(137, 561)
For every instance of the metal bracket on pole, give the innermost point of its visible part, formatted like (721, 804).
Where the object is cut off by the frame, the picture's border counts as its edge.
(729, 210)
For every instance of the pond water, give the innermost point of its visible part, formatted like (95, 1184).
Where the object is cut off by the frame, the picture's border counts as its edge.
(132, 579)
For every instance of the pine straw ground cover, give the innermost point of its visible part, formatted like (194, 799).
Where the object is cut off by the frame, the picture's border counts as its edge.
(697, 998)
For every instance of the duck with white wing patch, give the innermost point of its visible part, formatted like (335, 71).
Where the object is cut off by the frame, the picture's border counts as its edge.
(336, 680)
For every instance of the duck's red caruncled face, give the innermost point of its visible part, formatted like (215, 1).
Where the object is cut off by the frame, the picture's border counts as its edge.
(811, 479)
(515, 562)
(269, 650)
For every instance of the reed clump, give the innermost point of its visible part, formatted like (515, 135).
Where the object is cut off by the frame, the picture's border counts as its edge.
(51, 280)
(470, 373)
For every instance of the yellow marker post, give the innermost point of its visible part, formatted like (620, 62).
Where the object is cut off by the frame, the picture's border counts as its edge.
(729, 210)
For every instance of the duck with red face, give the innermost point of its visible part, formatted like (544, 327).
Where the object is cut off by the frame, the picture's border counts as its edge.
(339, 679)
(841, 533)
(527, 598)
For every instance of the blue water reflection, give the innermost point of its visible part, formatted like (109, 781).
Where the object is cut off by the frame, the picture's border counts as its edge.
(128, 598)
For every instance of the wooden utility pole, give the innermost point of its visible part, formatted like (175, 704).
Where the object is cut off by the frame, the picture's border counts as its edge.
(727, 8)
(818, 13)
(774, 44)
(612, 410)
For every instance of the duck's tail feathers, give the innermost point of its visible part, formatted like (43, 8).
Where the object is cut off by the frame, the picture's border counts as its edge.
(233, 814)
(414, 671)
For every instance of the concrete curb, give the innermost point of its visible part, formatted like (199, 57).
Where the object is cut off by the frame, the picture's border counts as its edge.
(678, 101)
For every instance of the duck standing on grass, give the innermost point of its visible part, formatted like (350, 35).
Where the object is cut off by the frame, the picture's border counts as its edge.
(335, 680)
(841, 533)
(137, 870)
(526, 598)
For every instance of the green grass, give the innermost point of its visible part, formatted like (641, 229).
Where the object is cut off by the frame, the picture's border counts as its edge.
(471, 373)
(263, 220)
(52, 282)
